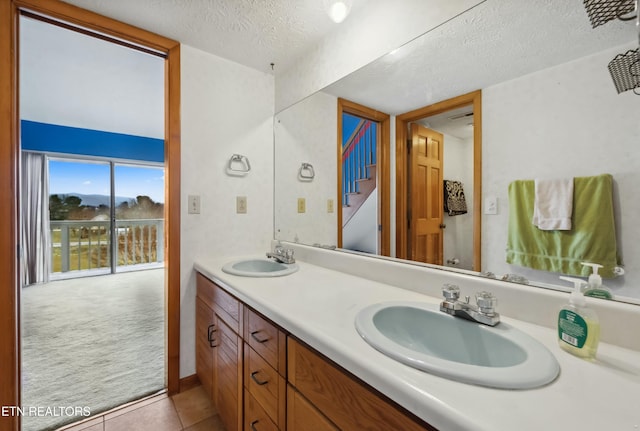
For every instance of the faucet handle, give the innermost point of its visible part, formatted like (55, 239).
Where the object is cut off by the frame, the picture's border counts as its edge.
(486, 303)
(451, 292)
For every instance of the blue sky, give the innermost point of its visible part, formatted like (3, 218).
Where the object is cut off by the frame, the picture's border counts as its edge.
(93, 178)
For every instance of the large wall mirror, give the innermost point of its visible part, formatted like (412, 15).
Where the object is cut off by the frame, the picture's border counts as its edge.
(548, 108)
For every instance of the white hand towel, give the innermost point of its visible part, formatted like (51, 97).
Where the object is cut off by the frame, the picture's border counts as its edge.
(553, 205)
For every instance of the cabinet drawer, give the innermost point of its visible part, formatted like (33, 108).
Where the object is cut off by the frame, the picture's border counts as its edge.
(255, 418)
(204, 289)
(343, 399)
(266, 339)
(266, 386)
(227, 308)
(223, 303)
(302, 416)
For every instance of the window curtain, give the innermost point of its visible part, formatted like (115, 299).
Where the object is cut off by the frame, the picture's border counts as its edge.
(34, 230)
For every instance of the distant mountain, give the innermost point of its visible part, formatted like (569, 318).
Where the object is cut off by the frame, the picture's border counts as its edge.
(96, 200)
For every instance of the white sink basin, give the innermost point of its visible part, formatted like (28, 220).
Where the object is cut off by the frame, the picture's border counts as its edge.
(259, 268)
(421, 336)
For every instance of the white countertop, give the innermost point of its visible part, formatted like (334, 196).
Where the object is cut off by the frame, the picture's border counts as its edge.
(318, 306)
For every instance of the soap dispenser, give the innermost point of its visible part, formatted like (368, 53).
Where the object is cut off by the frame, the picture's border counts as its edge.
(578, 325)
(595, 287)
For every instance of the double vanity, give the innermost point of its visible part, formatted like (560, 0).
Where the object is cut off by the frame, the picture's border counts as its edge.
(354, 342)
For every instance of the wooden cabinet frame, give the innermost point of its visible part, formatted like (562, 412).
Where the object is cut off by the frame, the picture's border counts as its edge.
(402, 180)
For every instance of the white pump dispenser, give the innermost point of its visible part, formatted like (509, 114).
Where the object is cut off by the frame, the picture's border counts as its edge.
(595, 287)
(578, 325)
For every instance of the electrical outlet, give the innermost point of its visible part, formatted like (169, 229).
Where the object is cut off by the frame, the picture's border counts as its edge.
(193, 204)
(329, 205)
(302, 206)
(241, 204)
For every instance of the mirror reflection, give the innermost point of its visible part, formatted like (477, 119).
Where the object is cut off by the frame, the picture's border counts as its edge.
(549, 109)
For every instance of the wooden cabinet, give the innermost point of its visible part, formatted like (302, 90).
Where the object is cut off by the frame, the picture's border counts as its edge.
(219, 350)
(262, 379)
(343, 399)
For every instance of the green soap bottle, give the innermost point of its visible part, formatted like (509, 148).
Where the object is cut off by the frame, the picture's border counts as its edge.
(595, 288)
(578, 325)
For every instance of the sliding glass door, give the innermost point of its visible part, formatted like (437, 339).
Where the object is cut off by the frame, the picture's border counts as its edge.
(139, 216)
(105, 217)
(80, 216)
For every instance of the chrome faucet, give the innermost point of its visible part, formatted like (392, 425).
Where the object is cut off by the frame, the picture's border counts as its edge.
(281, 254)
(483, 312)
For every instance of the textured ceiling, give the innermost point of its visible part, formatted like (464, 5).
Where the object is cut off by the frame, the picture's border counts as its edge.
(250, 32)
(494, 42)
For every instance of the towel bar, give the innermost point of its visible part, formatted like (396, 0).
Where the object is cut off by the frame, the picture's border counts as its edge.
(306, 172)
(244, 168)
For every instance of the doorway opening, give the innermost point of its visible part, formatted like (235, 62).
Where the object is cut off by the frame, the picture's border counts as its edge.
(363, 179)
(92, 129)
(425, 176)
(10, 271)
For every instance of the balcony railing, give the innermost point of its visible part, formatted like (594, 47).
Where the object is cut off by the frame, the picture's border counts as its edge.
(86, 244)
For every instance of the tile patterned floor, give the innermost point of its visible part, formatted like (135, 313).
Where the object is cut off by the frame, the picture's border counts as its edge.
(187, 411)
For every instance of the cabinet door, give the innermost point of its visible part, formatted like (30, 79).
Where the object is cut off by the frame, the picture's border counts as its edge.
(205, 345)
(342, 398)
(302, 416)
(228, 370)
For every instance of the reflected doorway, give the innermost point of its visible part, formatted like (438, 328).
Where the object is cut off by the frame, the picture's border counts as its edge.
(422, 197)
(363, 179)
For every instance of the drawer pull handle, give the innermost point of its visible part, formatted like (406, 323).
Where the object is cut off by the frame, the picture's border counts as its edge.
(210, 332)
(255, 379)
(253, 425)
(259, 340)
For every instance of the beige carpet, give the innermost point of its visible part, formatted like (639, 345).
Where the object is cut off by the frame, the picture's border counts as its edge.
(94, 342)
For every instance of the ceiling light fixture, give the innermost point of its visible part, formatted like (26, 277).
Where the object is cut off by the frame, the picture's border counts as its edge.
(337, 9)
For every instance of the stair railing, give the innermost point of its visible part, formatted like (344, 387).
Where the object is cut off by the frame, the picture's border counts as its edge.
(357, 156)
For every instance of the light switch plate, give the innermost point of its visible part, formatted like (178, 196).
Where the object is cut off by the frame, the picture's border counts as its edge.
(329, 205)
(491, 205)
(302, 206)
(241, 204)
(193, 204)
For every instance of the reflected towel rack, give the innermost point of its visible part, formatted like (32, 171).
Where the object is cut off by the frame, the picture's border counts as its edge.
(306, 172)
(242, 165)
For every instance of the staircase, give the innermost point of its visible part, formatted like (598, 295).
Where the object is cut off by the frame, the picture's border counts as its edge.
(358, 169)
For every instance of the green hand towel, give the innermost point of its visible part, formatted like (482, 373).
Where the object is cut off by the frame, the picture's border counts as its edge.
(592, 238)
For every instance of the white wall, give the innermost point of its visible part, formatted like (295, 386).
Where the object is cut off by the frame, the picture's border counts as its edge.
(563, 121)
(69, 79)
(307, 132)
(361, 232)
(379, 27)
(458, 235)
(226, 108)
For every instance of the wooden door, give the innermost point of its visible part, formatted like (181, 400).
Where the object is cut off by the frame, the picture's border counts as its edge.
(426, 195)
